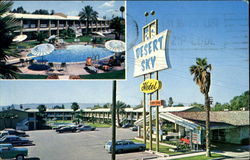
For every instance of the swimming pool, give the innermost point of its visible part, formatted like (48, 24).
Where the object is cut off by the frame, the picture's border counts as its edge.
(75, 53)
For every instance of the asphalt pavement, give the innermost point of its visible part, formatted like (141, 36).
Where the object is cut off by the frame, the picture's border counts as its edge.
(87, 145)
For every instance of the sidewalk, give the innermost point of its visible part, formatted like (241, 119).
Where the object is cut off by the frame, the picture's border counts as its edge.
(181, 156)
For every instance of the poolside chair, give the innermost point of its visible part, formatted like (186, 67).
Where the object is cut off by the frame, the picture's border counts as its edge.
(62, 67)
(51, 67)
(31, 61)
(91, 69)
(22, 61)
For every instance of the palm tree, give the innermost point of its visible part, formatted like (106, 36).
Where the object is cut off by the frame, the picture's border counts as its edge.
(118, 24)
(170, 102)
(7, 48)
(120, 106)
(202, 78)
(122, 9)
(88, 14)
(41, 115)
(75, 107)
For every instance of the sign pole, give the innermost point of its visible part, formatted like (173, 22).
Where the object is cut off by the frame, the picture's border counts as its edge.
(114, 121)
(144, 116)
(157, 117)
(150, 121)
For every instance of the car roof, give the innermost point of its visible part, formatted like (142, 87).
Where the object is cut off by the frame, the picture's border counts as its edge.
(5, 145)
(11, 136)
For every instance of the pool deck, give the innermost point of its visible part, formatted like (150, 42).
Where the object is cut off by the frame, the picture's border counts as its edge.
(71, 69)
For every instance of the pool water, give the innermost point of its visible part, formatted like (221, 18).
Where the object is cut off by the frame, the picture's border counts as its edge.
(75, 53)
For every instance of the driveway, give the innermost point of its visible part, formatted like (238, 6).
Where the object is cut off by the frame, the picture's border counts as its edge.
(88, 145)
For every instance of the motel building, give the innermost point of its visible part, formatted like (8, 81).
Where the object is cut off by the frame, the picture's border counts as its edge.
(175, 122)
(54, 24)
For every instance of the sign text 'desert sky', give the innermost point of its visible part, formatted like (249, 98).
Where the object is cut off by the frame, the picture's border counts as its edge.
(152, 55)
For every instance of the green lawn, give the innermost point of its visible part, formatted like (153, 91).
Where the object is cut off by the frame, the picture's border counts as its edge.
(111, 75)
(163, 149)
(98, 125)
(59, 121)
(85, 39)
(30, 44)
(203, 157)
(31, 76)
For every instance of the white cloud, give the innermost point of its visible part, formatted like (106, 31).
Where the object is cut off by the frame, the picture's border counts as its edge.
(108, 4)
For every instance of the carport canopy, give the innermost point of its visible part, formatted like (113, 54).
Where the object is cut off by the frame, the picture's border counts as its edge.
(174, 119)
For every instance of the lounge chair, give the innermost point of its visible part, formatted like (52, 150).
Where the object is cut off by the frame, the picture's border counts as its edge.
(51, 67)
(22, 61)
(91, 69)
(62, 67)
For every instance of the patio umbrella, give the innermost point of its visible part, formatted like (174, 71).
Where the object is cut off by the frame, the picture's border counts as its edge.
(20, 38)
(115, 46)
(42, 49)
(52, 37)
(100, 34)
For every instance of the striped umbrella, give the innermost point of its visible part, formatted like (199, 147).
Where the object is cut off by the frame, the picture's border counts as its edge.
(42, 49)
(20, 38)
(115, 46)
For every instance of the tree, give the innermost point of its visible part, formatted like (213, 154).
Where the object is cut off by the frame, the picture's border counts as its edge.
(75, 107)
(236, 104)
(8, 25)
(67, 33)
(52, 12)
(88, 14)
(40, 37)
(19, 10)
(41, 11)
(202, 78)
(21, 106)
(138, 106)
(41, 115)
(170, 102)
(118, 24)
(239, 102)
(201, 106)
(42, 108)
(107, 105)
(180, 105)
(120, 106)
(122, 9)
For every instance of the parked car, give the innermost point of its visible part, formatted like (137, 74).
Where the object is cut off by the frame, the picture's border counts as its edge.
(125, 146)
(127, 125)
(58, 127)
(15, 132)
(135, 128)
(66, 129)
(3, 133)
(15, 140)
(86, 128)
(7, 151)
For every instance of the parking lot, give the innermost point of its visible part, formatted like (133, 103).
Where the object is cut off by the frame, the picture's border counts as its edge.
(87, 145)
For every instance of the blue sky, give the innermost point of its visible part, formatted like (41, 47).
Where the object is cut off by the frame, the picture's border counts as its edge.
(72, 8)
(215, 30)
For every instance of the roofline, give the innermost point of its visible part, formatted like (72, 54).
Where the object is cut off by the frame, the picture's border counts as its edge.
(51, 17)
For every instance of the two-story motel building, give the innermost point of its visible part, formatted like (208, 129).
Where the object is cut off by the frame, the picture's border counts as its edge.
(54, 24)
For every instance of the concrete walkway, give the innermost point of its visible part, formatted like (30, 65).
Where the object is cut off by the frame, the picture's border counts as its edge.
(181, 156)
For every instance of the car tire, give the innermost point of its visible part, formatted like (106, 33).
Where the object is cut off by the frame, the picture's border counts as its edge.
(20, 157)
(141, 148)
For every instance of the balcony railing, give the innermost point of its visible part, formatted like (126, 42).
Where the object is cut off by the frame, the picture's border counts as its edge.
(43, 25)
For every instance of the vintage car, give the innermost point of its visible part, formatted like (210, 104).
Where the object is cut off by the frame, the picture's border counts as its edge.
(7, 151)
(125, 146)
(15, 140)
